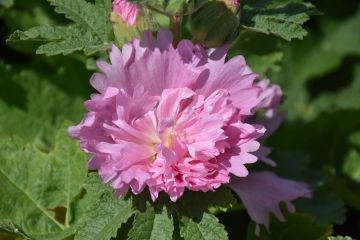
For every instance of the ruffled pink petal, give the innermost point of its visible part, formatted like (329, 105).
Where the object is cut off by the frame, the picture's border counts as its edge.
(113, 74)
(171, 103)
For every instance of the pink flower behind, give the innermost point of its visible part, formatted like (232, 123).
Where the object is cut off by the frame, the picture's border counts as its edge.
(126, 10)
(261, 193)
(171, 119)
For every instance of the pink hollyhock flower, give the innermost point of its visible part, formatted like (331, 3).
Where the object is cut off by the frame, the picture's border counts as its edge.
(126, 10)
(170, 118)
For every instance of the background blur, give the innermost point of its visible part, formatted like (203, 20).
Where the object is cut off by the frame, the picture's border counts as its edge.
(320, 76)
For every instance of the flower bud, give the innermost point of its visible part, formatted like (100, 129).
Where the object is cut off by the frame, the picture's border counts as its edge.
(126, 10)
(124, 30)
(215, 23)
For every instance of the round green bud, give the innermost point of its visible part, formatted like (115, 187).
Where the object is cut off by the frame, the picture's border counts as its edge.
(214, 24)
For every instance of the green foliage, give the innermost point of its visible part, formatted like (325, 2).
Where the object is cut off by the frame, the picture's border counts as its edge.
(195, 203)
(89, 32)
(207, 228)
(102, 219)
(12, 229)
(41, 183)
(317, 55)
(223, 19)
(340, 238)
(284, 21)
(262, 52)
(351, 165)
(170, 7)
(156, 220)
(22, 94)
(303, 225)
(195, 222)
(154, 223)
(6, 3)
(326, 206)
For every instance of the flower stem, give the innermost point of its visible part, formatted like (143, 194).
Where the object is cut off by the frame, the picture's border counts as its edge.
(175, 27)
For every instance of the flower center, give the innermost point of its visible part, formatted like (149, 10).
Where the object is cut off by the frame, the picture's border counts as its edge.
(169, 137)
(166, 132)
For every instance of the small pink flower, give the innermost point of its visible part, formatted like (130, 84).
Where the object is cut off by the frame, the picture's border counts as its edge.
(171, 119)
(126, 10)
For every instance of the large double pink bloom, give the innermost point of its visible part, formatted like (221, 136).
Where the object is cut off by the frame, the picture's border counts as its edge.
(174, 118)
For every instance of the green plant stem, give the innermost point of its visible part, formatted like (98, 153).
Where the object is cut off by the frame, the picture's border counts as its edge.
(175, 27)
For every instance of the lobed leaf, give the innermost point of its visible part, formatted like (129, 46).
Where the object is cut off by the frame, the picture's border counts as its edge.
(195, 221)
(339, 238)
(92, 17)
(102, 219)
(284, 21)
(40, 183)
(207, 228)
(153, 224)
(90, 31)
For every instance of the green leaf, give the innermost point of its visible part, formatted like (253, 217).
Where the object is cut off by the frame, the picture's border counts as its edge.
(284, 21)
(194, 204)
(264, 63)
(354, 139)
(258, 4)
(13, 229)
(339, 238)
(320, 53)
(40, 183)
(94, 190)
(103, 218)
(154, 223)
(207, 228)
(262, 52)
(90, 31)
(346, 98)
(351, 165)
(6, 3)
(33, 106)
(326, 206)
(195, 221)
(347, 190)
(297, 226)
(62, 40)
(93, 17)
